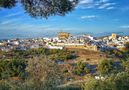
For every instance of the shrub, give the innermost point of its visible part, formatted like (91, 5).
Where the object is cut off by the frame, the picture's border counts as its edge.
(87, 59)
(106, 66)
(80, 69)
(118, 81)
(12, 68)
(65, 71)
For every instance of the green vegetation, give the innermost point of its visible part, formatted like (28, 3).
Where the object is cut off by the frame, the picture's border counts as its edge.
(13, 68)
(65, 71)
(20, 54)
(114, 81)
(114, 52)
(127, 48)
(118, 81)
(7, 3)
(35, 68)
(42, 8)
(117, 53)
(80, 69)
(87, 59)
(106, 66)
(61, 55)
(42, 73)
(111, 81)
(53, 53)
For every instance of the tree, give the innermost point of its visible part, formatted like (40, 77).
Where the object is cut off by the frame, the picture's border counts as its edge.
(125, 64)
(43, 72)
(60, 54)
(80, 69)
(117, 53)
(106, 66)
(7, 3)
(43, 8)
(127, 47)
(118, 81)
(12, 68)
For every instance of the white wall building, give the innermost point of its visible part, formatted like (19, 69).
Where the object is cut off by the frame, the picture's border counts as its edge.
(55, 47)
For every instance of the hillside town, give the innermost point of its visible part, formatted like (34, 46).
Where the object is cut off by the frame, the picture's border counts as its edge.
(66, 40)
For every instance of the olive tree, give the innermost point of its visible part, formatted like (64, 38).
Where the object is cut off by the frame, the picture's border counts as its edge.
(106, 66)
(43, 72)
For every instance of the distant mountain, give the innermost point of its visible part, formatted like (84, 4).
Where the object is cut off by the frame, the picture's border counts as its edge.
(103, 34)
(12, 34)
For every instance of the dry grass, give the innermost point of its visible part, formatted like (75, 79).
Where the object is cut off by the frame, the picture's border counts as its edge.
(91, 57)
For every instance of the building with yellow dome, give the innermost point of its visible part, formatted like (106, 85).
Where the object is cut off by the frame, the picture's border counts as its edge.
(114, 35)
(64, 35)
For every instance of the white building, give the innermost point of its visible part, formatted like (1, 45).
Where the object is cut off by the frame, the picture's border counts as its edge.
(55, 47)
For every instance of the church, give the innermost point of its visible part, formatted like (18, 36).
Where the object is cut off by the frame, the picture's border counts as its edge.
(64, 35)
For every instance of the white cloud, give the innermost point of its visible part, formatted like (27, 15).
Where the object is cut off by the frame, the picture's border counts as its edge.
(9, 21)
(109, 8)
(84, 4)
(97, 4)
(125, 27)
(86, 1)
(13, 14)
(88, 17)
(106, 5)
(104, 0)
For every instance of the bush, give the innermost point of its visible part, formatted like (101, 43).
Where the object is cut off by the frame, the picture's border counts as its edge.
(65, 71)
(80, 69)
(108, 52)
(106, 66)
(61, 55)
(127, 47)
(87, 59)
(12, 68)
(118, 81)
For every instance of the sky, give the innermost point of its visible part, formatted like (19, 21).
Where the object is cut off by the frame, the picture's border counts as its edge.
(91, 16)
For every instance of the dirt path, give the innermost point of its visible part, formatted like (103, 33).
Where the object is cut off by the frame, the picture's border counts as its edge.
(72, 82)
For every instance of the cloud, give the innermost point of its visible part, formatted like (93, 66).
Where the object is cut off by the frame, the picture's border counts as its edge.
(106, 5)
(9, 21)
(13, 14)
(125, 27)
(84, 4)
(109, 8)
(97, 4)
(88, 17)
(104, 0)
(86, 1)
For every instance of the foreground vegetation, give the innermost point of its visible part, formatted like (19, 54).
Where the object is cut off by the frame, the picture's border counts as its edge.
(41, 73)
(116, 80)
(37, 69)
(32, 69)
(12, 68)
(53, 53)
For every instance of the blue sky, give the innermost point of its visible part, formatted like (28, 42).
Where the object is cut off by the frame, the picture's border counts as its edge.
(96, 16)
